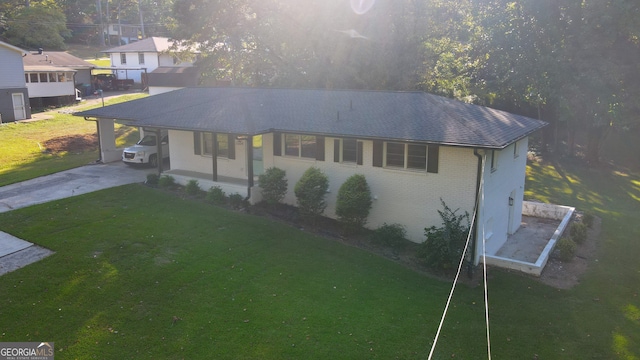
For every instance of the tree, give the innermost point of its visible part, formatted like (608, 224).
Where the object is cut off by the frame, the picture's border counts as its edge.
(38, 26)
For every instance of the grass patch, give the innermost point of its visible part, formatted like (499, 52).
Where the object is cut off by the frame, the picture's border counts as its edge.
(25, 154)
(144, 273)
(101, 62)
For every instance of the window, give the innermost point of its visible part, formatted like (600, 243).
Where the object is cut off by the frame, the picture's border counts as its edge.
(300, 145)
(494, 161)
(406, 156)
(140, 58)
(222, 141)
(349, 150)
(62, 77)
(53, 77)
(123, 58)
(26, 77)
(33, 77)
(223, 145)
(44, 77)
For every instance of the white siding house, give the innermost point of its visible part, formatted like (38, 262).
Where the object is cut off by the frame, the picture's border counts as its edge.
(415, 149)
(134, 60)
(14, 96)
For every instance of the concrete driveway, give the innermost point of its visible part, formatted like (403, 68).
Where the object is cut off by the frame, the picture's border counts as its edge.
(16, 253)
(69, 183)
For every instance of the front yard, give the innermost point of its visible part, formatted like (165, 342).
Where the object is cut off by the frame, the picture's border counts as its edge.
(141, 273)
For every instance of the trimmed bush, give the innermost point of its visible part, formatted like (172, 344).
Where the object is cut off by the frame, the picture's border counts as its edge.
(166, 181)
(353, 202)
(236, 201)
(152, 179)
(392, 235)
(578, 232)
(444, 245)
(566, 249)
(588, 219)
(216, 195)
(192, 188)
(310, 191)
(274, 185)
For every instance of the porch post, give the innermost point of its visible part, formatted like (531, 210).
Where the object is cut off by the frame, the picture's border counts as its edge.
(159, 151)
(214, 156)
(250, 161)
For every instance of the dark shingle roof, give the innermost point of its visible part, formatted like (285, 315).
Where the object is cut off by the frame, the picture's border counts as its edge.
(56, 58)
(408, 116)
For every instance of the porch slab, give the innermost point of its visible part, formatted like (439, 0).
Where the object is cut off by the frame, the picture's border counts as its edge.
(529, 248)
(228, 184)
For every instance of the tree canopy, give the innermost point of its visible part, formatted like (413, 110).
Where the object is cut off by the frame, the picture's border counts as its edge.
(572, 63)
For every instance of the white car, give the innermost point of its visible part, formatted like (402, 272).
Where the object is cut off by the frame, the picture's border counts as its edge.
(145, 151)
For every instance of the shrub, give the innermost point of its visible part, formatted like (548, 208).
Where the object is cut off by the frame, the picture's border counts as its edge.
(152, 179)
(310, 191)
(587, 219)
(578, 232)
(392, 235)
(236, 201)
(192, 188)
(166, 181)
(566, 249)
(444, 245)
(353, 202)
(274, 185)
(216, 195)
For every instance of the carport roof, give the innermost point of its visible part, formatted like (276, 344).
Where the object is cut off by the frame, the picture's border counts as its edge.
(405, 116)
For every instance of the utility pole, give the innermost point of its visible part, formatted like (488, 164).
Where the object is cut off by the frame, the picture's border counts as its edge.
(141, 20)
(99, 9)
(108, 25)
(119, 26)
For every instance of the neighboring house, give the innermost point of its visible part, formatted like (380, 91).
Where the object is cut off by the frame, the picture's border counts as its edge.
(125, 32)
(414, 149)
(53, 77)
(135, 60)
(14, 96)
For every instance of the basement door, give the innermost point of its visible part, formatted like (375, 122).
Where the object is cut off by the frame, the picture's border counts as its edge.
(19, 111)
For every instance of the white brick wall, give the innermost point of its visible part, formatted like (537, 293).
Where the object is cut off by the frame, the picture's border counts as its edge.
(410, 198)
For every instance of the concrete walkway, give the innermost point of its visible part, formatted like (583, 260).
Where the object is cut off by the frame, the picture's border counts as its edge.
(15, 252)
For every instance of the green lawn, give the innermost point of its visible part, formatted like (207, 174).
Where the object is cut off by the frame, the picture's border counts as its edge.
(22, 154)
(130, 259)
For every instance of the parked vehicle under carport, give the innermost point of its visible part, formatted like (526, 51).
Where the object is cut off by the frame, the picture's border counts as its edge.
(145, 151)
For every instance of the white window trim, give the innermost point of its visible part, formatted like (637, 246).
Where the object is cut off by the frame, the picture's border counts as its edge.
(299, 156)
(202, 146)
(406, 157)
(342, 161)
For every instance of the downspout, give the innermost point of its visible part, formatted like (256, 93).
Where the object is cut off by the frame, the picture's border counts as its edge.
(476, 228)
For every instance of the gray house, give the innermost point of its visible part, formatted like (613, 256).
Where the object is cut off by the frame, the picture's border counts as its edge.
(14, 96)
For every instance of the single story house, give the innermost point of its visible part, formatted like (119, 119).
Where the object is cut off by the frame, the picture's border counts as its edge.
(414, 149)
(14, 95)
(136, 59)
(55, 77)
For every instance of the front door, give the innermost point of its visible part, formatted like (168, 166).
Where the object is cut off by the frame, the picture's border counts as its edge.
(19, 111)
